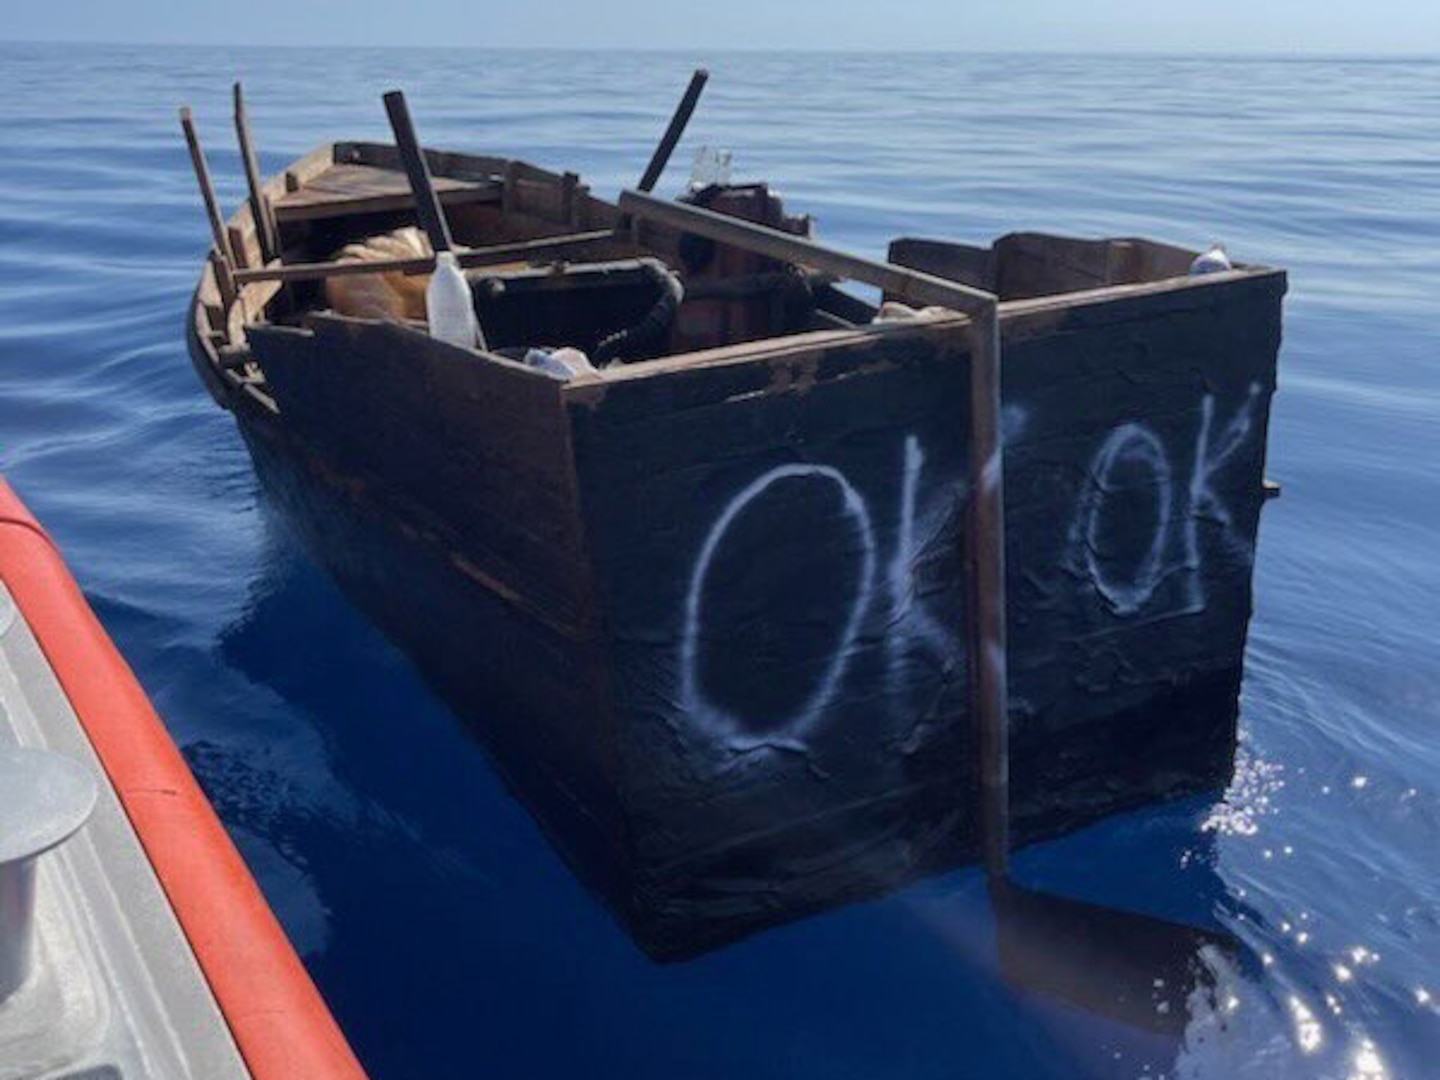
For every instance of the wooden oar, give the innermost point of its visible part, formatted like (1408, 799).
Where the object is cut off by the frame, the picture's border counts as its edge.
(266, 232)
(671, 138)
(427, 203)
(224, 263)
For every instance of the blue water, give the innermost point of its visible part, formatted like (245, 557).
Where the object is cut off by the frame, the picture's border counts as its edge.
(447, 936)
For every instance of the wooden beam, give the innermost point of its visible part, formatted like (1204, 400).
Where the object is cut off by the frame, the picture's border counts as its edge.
(678, 122)
(225, 264)
(569, 187)
(237, 245)
(224, 284)
(266, 231)
(427, 206)
(510, 192)
(899, 281)
(985, 599)
(468, 259)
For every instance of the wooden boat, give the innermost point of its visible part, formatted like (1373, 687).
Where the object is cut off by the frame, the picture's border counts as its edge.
(712, 609)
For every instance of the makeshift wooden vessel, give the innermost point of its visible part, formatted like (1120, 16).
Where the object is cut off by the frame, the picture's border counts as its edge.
(727, 612)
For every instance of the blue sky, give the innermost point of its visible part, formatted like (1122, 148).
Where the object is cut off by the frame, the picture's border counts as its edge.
(1267, 26)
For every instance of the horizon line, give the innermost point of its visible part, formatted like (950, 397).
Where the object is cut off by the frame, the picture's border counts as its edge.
(1135, 52)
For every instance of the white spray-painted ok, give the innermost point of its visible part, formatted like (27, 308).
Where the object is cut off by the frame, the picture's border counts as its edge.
(1136, 444)
(909, 621)
(697, 705)
(1129, 591)
(1129, 444)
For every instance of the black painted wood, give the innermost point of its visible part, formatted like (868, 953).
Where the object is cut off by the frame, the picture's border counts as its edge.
(537, 549)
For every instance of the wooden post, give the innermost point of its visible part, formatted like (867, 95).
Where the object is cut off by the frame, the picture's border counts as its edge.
(678, 122)
(237, 246)
(569, 186)
(510, 192)
(985, 643)
(225, 265)
(427, 204)
(266, 231)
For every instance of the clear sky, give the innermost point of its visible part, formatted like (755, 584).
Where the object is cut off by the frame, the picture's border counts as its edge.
(1183, 26)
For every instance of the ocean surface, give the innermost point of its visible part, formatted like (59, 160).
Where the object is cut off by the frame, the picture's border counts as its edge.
(446, 934)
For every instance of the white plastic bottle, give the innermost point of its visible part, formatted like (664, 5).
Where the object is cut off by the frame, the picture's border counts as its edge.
(449, 305)
(1214, 261)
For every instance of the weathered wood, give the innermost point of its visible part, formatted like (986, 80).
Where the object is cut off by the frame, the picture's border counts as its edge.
(473, 447)
(468, 259)
(225, 286)
(957, 262)
(224, 265)
(472, 168)
(569, 186)
(266, 235)
(985, 541)
(911, 286)
(729, 455)
(343, 190)
(237, 245)
(1024, 266)
(986, 595)
(417, 169)
(741, 469)
(673, 131)
(1135, 422)
(510, 193)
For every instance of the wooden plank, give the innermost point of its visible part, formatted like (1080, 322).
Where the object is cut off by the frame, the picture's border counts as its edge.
(471, 449)
(474, 168)
(973, 266)
(363, 189)
(474, 257)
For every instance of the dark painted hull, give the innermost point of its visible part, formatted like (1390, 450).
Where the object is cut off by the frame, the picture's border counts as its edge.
(494, 666)
(709, 774)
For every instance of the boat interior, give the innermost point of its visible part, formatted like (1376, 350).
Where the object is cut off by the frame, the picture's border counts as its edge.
(550, 265)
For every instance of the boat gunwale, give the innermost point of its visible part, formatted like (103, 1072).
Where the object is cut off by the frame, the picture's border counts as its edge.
(256, 295)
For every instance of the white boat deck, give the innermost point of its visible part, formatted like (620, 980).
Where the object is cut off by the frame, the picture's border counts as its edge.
(115, 992)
